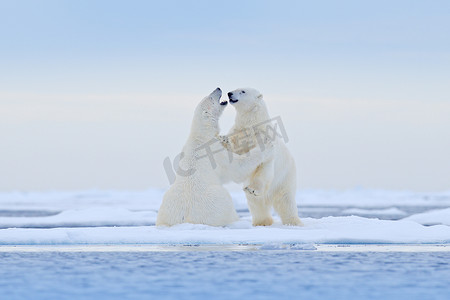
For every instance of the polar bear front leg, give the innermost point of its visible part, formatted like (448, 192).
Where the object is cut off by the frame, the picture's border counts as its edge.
(225, 141)
(259, 209)
(243, 166)
(261, 179)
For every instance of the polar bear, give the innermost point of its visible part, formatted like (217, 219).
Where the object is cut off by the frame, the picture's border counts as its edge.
(197, 195)
(273, 183)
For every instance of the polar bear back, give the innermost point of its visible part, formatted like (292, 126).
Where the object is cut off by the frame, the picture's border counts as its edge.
(201, 204)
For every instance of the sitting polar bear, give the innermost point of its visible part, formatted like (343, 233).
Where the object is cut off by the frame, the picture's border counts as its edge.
(197, 195)
(273, 183)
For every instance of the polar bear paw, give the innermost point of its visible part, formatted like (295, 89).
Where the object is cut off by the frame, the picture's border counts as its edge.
(225, 141)
(294, 221)
(252, 191)
(263, 222)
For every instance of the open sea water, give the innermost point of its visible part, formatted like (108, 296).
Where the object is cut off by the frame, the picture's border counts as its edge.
(260, 274)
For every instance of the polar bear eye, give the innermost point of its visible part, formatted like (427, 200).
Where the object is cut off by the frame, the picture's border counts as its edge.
(243, 92)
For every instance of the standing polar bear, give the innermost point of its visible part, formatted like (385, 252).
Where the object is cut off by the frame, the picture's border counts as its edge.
(273, 182)
(197, 195)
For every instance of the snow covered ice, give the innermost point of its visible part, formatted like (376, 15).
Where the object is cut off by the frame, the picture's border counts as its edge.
(127, 217)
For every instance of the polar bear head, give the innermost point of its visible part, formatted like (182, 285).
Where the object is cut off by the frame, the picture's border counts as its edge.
(207, 113)
(245, 99)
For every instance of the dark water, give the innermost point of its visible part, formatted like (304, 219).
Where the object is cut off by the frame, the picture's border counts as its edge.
(225, 275)
(26, 213)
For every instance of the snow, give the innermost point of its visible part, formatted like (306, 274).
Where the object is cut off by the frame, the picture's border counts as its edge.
(434, 217)
(63, 200)
(372, 198)
(96, 217)
(387, 211)
(326, 230)
(151, 199)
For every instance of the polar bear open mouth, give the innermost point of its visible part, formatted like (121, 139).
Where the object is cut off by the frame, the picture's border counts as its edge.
(233, 101)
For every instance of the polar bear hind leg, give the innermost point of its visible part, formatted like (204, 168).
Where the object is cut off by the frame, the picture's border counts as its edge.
(216, 208)
(172, 210)
(286, 207)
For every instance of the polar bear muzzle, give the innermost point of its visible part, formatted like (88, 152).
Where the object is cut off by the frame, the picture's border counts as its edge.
(232, 99)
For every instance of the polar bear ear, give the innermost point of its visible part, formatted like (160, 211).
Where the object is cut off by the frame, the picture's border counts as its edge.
(260, 96)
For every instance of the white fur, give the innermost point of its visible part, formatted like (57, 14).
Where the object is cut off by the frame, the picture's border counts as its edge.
(273, 183)
(200, 198)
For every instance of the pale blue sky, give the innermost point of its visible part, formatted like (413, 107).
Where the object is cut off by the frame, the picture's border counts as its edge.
(95, 94)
